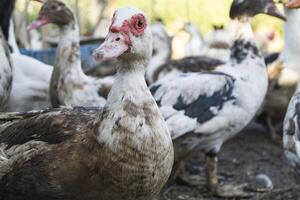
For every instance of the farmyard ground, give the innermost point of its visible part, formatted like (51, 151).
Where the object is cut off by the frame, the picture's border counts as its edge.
(243, 158)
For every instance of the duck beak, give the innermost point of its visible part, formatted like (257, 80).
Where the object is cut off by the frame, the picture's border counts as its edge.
(293, 4)
(272, 10)
(114, 46)
(41, 21)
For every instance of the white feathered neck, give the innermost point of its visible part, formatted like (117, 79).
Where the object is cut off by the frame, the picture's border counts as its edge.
(291, 52)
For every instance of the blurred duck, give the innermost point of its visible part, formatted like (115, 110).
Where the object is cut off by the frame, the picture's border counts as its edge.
(204, 110)
(195, 43)
(6, 69)
(293, 4)
(215, 45)
(218, 42)
(69, 85)
(284, 75)
(160, 65)
(162, 49)
(185, 65)
(289, 58)
(30, 86)
(6, 73)
(122, 152)
(291, 131)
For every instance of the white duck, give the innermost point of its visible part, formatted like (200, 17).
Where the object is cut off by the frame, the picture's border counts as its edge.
(122, 152)
(6, 74)
(195, 43)
(204, 110)
(30, 87)
(289, 59)
(69, 85)
(162, 49)
(291, 131)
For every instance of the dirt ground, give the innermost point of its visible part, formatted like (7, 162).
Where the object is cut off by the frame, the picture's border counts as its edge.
(249, 154)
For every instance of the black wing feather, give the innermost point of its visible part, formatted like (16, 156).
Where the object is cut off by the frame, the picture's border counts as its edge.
(201, 107)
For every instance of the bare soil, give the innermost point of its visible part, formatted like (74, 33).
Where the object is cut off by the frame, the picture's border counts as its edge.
(244, 157)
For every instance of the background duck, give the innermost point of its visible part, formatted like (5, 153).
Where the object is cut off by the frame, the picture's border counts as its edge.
(6, 74)
(69, 85)
(284, 76)
(122, 152)
(161, 49)
(30, 86)
(203, 110)
(291, 131)
(185, 65)
(195, 43)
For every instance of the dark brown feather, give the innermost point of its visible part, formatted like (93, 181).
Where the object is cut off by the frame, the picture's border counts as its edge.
(189, 64)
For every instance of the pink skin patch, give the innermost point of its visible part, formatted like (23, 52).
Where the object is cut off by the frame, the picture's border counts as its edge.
(41, 21)
(272, 36)
(118, 40)
(138, 24)
(113, 46)
(293, 4)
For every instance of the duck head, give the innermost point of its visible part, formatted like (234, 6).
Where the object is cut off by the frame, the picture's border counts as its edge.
(250, 8)
(53, 11)
(129, 37)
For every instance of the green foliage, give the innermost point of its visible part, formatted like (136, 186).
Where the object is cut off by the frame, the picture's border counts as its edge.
(204, 13)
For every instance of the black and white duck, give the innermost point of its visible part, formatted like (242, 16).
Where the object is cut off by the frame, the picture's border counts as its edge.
(122, 152)
(291, 130)
(204, 110)
(69, 85)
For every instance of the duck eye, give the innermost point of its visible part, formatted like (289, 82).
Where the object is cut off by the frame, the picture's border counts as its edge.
(140, 24)
(53, 7)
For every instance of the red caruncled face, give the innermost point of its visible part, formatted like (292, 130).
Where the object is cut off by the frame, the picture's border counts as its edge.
(136, 26)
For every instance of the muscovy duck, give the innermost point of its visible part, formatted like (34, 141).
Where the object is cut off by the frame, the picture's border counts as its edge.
(122, 152)
(69, 85)
(204, 110)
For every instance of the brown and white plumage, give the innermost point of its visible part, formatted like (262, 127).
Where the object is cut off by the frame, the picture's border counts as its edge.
(123, 152)
(69, 85)
(204, 110)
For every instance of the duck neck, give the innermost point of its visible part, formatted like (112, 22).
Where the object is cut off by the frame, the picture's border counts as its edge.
(68, 60)
(129, 84)
(292, 43)
(244, 45)
(195, 34)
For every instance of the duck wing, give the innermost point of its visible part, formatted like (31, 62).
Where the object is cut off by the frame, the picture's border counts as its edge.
(185, 105)
(291, 133)
(25, 135)
(189, 64)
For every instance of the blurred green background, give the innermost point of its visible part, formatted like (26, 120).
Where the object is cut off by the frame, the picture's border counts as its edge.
(204, 13)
